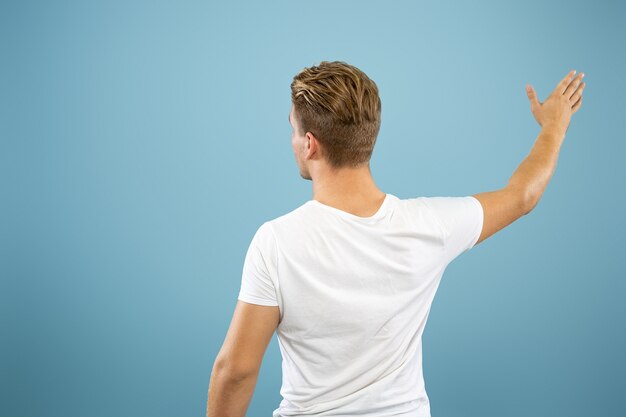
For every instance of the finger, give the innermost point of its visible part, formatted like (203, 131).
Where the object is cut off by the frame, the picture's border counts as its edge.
(577, 93)
(577, 105)
(532, 96)
(560, 88)
(571, 88)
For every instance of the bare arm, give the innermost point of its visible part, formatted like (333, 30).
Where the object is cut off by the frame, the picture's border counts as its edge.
(530, 179)
(238, 363)
(532, 176)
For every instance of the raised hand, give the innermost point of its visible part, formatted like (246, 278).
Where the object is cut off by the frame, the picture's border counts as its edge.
(561, 104)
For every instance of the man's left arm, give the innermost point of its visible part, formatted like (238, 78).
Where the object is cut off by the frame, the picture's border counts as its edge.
(238, 363)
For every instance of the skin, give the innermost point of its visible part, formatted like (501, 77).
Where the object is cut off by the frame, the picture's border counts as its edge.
(238, 363)
(529, 181)
(349, 189)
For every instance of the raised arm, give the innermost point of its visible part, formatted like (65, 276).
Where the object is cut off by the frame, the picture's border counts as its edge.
(530, 179)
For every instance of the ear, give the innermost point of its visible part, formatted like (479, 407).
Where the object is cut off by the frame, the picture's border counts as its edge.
(314, 147)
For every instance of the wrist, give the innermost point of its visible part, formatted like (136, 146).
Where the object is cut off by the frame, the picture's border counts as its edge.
(554, 130)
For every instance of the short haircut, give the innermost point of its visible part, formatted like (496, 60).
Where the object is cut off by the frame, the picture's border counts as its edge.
(339, 104)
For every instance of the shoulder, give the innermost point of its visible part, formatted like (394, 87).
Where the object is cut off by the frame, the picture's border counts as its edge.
(295, 218)
(266, 234)
(446, 206)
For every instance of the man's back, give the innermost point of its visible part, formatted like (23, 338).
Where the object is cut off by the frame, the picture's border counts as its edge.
(349, 296)
(354, 295)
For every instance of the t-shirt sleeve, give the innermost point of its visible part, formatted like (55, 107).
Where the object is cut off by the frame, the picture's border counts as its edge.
(461, 219)
(258, 279)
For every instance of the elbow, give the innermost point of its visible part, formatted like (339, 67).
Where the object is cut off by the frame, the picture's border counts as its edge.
(522, 198)
(528, 202)
(228, 370)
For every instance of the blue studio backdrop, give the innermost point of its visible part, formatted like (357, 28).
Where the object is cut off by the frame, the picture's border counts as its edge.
(143, 143)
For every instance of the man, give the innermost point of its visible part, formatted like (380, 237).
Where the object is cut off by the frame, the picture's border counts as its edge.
(347, 279)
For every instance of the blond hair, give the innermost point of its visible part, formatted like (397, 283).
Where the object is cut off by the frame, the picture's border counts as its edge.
(339, 104)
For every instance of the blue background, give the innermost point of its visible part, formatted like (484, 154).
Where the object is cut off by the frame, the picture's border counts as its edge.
(143, 143)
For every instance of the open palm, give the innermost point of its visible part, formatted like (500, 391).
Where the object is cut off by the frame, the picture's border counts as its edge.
(560, 105)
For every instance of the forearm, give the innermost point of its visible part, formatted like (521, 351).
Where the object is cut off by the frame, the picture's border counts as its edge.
(533, 174)
(229, 396)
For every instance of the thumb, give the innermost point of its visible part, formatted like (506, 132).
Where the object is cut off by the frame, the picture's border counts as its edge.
(532, 96)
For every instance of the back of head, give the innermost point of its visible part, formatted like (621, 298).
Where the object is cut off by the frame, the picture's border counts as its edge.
(339, 104)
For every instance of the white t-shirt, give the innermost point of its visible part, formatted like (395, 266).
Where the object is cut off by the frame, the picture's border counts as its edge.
(354, 295)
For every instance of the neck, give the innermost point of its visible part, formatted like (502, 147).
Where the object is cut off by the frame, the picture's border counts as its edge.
(348, 187)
